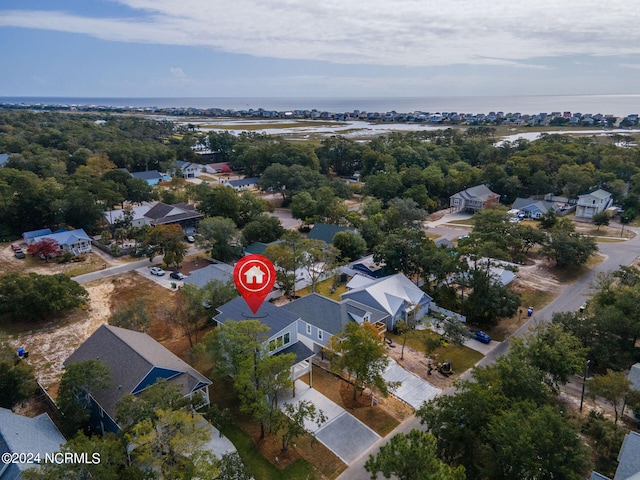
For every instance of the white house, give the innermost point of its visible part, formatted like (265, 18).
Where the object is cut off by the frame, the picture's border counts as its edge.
(187, 169)
(73, 241)
(593, 203)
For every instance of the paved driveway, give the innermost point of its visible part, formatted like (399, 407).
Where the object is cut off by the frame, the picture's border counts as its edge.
(413, 389)
(342, 433)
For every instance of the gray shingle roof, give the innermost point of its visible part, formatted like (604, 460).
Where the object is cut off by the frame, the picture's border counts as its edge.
(130, 357)
(19, 434)
(270, 315)
(479, 192)
(329, 315)
(301, 351)
(218, 271)
(242, 182)
(148, 175)
(162, 213)
(634, 376)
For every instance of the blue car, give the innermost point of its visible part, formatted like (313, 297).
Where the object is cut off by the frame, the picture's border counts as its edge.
(480, 336)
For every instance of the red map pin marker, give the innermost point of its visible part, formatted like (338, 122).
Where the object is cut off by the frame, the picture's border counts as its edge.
(254, 276)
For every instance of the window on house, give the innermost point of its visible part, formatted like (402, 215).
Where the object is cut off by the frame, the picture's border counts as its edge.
(279, 342)
(272, 345)
(456, 201)
(319, 334)
(308, 329)
(287, 338)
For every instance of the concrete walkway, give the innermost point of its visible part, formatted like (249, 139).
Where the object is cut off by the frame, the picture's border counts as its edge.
(342, 433)
(413, 389)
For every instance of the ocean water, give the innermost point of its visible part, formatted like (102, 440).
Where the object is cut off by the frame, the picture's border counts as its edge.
(618, 105)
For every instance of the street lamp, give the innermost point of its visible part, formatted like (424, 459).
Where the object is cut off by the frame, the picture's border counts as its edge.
(584, 381)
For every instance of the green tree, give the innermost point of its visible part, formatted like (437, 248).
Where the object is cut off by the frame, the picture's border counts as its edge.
(549, 219)
(531, 442)
(264, 228)
(167, 241)
(217, 293)
(489, 300)
(317, 259)
(221, 202)
(412, 456)
(568, 248)
(601, 219)
(219, 235)
(291, 423)
(17, 381)
(287, 256)
(553, 350)
(614, 387)
(78, 382)
(360, 352)
(133, 316)
(350, 244)
(174, 443)
(33, 296)
(107, 460)
(238, 349)
(161, 396)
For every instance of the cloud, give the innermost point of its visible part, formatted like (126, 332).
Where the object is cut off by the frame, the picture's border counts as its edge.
(413, 33)
(633, 66)
(177, 72)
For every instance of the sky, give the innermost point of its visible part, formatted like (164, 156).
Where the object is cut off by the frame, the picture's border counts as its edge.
(328, 48)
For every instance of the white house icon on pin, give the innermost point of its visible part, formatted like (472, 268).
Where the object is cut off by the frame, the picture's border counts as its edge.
(254, 275)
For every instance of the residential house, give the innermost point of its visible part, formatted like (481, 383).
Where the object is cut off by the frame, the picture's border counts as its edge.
(473, 199)
(152, 177)
(628, 460)
(220, 167)
(182, 214)
(242, 184)
(326, 232)
(28, 237)
(320, 318)
(25, 435)
(186, 169)
(283, 332)
(216, 271)
(532, 208)
(135, 361)
(76, 242)
(159, 213)
(593, 203)
(258, 248)
(396, 295)
(138, 218)
(365, 266)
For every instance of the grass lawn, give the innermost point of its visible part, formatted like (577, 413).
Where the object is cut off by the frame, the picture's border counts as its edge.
(470, 221)
(324, 288)
(462, 358)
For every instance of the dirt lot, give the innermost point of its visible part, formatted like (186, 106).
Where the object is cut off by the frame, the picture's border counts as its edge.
(50, 344)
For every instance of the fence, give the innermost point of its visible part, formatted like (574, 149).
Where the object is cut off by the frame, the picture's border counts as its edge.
(448, 313)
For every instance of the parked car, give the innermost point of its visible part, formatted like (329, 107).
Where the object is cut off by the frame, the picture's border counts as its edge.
(176, 276)
(19, 254)
(480, 336)
(157, 271)
(15, 247)
(190, 238)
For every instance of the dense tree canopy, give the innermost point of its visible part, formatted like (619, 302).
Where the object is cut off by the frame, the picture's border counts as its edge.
(37, 297)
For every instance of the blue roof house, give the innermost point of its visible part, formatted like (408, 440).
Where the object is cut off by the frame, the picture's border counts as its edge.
(152, 177)
(19, 434)
(73, 241)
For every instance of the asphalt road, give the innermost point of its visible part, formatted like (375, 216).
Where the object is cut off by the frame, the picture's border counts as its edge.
(570, 298)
